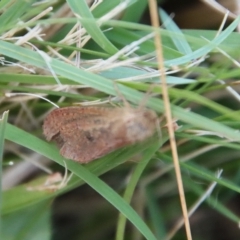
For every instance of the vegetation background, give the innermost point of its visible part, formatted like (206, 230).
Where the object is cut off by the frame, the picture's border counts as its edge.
(79, 51)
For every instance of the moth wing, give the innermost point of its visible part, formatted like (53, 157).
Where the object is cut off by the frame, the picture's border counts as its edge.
(80, 133)
(60, 117)
(87, 146)
(55, 119)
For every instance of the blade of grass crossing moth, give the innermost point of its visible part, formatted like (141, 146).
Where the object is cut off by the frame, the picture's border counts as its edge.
(107, 86)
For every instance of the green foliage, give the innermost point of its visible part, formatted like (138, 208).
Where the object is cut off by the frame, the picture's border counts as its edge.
(208, 136)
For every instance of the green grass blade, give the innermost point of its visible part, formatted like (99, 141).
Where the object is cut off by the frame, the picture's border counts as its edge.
(147, 155)
(180, 41)
(131, 15)
(207, 48)
(3, 123)
(197, 189)
(12, 14)
(204, 173)
(28, 224)
(81, 8)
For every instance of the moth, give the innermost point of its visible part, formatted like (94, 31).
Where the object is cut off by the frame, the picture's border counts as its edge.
(84, 134)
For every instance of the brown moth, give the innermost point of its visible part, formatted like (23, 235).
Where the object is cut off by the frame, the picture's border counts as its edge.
(87, 133)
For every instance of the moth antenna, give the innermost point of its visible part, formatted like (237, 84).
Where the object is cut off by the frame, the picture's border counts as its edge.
(112, 102)
(146, 97)
(126, 103)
